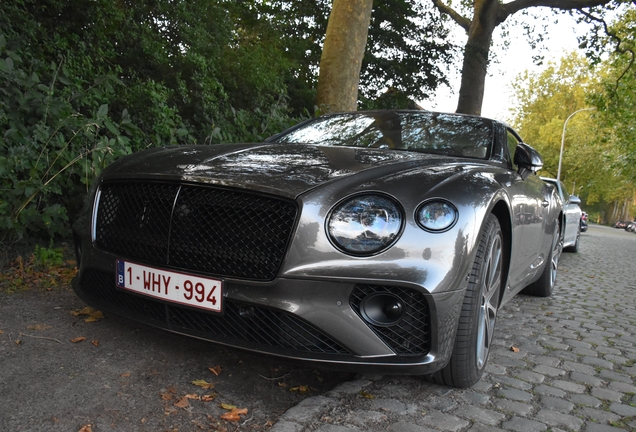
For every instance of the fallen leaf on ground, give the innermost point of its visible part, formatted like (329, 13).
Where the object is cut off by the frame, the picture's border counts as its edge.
(1, 332)
(216, 370)
(227, 406)
(78, 339)
(514, 349)
(17, 341)
(125, 375)
(282, 384)
(208, 397)
(301, 389)
(95, 342)
(86, 311)
(192, 396)
(93, 314)
(366, 395)
(234, 414)
(203, 384)
(167, 396)
(86, 428)
(182, 403)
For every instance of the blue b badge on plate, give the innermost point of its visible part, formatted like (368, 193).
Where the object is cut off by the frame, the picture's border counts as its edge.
(121, 268)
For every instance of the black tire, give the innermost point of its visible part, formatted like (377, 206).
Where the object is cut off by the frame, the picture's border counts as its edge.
(575, 247)
(479, 312)
(543, 286)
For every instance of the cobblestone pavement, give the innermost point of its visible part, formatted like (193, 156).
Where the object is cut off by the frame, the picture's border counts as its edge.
(575, 369)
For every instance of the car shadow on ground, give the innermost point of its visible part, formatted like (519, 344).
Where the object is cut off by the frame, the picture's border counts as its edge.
(62, 373)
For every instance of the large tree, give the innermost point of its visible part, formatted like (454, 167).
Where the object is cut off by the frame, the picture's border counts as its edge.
(406, 49)
(479, 22)
(342, 55)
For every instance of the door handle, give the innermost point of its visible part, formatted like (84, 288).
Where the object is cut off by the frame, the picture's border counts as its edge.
(545, 203)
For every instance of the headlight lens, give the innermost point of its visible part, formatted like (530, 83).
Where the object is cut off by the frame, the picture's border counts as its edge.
(437, 215)
(365, 224)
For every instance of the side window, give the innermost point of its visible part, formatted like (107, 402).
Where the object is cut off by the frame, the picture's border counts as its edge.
(512, 147)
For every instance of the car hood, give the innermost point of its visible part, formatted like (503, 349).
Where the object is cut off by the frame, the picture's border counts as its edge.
(282, 169)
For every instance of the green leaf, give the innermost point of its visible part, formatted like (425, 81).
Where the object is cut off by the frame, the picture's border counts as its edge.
(103, 111)
(3, 165)
(111, 127)
(6, 65)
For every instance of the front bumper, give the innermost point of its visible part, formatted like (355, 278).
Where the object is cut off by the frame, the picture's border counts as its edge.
(312, 320)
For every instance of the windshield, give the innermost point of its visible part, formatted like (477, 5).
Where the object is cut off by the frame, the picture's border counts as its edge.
(437, 133)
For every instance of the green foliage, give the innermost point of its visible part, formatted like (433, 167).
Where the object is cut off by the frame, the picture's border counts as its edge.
(82, 84)
(48, 147)
(407, 47)
(546, 100)
(255, 126)
(599, 149)
(614, 97)
(407, 50)
(45, 257)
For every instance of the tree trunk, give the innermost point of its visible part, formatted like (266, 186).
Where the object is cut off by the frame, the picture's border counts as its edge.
(342, 55)
(475, 66)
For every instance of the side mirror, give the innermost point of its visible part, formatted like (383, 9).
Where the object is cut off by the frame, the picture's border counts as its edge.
(527, 159)
(575, 200)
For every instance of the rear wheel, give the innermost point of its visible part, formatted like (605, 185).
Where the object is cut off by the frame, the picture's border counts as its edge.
(479, 312)
(545, 284)
(575, 246)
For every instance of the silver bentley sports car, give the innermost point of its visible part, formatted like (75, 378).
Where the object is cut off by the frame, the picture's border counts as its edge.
(382, 239)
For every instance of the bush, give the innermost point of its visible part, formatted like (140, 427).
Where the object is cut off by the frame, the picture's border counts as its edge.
(82, 84)
(48, 148)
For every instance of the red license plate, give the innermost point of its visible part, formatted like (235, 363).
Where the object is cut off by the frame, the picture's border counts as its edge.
(196, 291)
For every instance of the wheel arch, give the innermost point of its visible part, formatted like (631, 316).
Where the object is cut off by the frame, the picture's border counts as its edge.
(504, 216)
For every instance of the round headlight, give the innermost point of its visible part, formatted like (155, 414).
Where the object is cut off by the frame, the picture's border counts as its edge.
(437, 215)
(365, 224)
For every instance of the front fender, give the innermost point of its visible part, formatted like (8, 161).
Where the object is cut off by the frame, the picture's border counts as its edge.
(434, 262)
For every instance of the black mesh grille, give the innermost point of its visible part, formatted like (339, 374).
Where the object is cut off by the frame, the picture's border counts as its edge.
(252, 325)
(411, 334)
(224, 232)
(134, 220)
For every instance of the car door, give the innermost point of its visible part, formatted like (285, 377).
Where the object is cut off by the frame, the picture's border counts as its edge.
(530, 203)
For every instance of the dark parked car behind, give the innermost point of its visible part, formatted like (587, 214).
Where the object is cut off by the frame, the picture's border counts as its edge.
(384, 239)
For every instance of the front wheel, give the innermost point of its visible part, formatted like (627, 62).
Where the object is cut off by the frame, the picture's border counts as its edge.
(476, 325)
